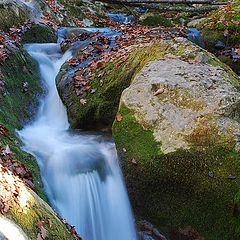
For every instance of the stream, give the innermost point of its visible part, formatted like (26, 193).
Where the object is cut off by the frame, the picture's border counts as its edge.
(80, 172)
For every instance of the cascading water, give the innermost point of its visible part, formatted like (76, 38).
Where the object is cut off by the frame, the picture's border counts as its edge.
(121, 18)
(80, 173)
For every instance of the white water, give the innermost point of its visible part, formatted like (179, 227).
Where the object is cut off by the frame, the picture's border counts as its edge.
(80, 173)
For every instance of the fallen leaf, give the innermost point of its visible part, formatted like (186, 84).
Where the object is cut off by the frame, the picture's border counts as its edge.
(50, 222)
(159, 91)
(119, 117)
(134, 162)
(83, 101)
(226, 32)
(4, 131)
(79, 78)
(7, 151)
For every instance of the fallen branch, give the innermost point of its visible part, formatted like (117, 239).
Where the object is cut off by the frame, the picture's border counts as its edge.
(168, 1)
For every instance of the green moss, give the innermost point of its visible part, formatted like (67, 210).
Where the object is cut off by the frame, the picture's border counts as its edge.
(180, 97)
(15, 104)
(101, 106)
(218, 21)
(9, 18)
(36, 211)
(175, 190)
(140, 136)
(39, 34)
(156, 20)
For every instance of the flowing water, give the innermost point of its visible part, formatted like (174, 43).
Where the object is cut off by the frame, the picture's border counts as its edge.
(80, 172)
(196, 37)
(121, 18)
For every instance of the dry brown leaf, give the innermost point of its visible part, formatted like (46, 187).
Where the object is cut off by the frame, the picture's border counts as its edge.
(50, 222)
(83, 101)
(159, 91)
(79, 78)
(226, 32)
(119, 117)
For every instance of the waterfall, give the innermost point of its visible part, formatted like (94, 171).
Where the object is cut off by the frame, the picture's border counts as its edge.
(80, 172)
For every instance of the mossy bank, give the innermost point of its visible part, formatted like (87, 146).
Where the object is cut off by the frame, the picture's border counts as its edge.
(18, 97)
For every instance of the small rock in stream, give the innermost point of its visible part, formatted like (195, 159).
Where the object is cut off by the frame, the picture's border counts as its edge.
(232, 177)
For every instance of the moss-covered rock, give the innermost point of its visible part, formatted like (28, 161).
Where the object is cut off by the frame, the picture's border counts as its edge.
(223, 27)
(34, 212)
(18, 98)
(104, 95)
(154, 19)
(39, 34)
(214, 27)
(11, 15)
(178, 140)
(17, 105)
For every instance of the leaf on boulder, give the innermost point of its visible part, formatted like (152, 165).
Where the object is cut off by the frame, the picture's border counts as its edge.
(50, 222)
(83, 101)
(134, 162)
(119, 117)
(159, 91)
(43, 232)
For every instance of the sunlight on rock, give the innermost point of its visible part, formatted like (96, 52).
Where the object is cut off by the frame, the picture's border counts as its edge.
(9, 230)
(23, 197)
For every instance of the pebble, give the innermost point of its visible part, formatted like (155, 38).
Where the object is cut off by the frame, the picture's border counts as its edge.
(232, 177)
(211, 174)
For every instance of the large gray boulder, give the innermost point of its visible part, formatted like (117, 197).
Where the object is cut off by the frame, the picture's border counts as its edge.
(174, 98)
(177, 133)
